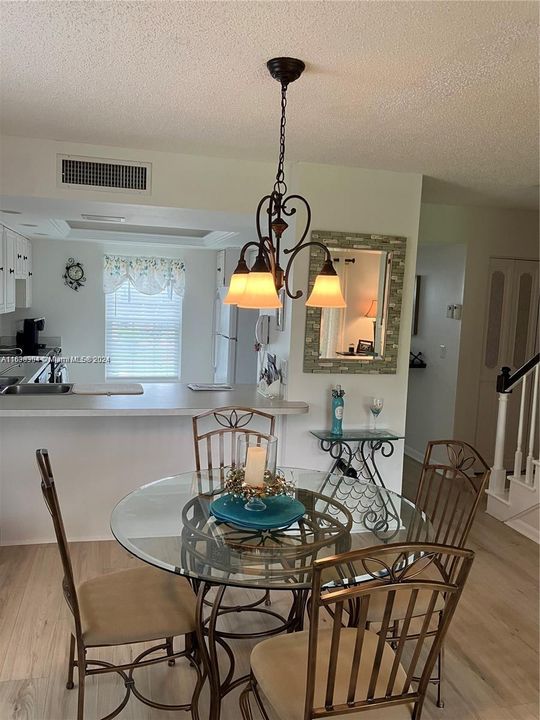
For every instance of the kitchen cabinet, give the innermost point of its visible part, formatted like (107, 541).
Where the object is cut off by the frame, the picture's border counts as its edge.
(220, 269)
(3, 272)
(15, 271)
(23, 249)
(9, 270)
(23, 294)
(19, 257)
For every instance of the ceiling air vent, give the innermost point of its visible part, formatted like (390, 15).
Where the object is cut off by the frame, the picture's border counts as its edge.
(103, 174)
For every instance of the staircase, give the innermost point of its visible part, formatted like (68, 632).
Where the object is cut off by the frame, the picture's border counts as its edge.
(514, 497)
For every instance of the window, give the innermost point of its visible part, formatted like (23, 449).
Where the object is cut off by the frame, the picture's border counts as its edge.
(142, 334)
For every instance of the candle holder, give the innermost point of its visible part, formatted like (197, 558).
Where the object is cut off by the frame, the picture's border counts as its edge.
(256, 457)
(255, 475)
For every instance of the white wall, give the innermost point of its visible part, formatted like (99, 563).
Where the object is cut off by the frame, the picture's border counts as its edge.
(432, 390)
(79, 317)
(28, 168)
(487, 232)
(355, 200)
(343, 199)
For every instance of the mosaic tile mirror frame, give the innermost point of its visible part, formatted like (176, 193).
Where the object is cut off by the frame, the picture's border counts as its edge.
(381, 358)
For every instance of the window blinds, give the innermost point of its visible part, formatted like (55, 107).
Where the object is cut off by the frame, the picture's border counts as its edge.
(142, 334)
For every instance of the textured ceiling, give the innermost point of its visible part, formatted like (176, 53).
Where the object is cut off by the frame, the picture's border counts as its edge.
(449, 89)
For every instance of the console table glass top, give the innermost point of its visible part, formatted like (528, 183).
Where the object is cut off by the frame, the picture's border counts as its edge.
(358, 435)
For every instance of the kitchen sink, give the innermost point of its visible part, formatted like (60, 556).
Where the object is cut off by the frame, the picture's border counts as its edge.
(38, 389)
(6, 380)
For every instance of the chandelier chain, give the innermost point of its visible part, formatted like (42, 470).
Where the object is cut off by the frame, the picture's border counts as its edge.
(280, 186)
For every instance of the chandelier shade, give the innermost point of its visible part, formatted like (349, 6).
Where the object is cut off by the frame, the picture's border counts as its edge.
(237, 285)
(260, 292)
(259, 287)
(326, 291)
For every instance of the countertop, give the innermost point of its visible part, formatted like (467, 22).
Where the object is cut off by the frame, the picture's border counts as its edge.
(158, 399)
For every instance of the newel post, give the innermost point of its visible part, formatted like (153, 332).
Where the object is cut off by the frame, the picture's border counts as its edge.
(498, 471)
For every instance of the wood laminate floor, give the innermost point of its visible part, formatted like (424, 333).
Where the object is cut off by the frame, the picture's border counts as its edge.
(492, 647)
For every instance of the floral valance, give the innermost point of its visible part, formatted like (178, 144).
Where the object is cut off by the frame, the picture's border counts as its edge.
(150, 275)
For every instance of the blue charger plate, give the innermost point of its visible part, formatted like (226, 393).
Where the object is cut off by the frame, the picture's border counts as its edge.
(281, 511)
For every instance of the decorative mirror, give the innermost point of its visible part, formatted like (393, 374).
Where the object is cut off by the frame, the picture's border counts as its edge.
(363, 337)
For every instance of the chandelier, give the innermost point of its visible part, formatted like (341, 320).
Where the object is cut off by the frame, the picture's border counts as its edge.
(258, 287)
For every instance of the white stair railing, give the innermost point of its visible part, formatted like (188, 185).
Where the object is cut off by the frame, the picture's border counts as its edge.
(505, 384)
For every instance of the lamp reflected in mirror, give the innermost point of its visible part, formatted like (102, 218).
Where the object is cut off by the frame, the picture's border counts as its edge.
(372, 313)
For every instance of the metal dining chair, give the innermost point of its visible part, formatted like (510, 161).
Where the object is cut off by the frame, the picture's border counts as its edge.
(453, 479)
(216, 432)
(340, 671)
(142, 604)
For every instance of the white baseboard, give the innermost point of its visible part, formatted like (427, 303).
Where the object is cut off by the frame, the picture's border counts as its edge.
(414, 454)
(524, 529)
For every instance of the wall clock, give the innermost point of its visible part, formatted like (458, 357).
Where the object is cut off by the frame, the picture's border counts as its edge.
(74, 274)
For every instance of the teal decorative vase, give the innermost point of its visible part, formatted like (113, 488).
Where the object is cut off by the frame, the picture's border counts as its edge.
(337, 410)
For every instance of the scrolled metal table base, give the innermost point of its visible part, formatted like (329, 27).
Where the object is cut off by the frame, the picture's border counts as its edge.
(356, 461)
(209, 637)
(213, 547)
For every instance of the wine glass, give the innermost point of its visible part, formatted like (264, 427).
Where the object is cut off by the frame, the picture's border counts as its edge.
(376, 407)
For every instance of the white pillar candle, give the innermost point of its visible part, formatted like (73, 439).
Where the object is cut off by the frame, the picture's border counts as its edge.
(255, 466)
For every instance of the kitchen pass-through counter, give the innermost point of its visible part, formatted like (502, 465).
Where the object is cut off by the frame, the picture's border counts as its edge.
(103, 447)
(157, 399)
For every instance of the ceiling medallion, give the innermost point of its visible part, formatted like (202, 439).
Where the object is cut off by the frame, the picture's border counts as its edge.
(257, 287)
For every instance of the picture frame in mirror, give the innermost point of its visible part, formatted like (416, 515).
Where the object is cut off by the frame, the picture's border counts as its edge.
(365, 347)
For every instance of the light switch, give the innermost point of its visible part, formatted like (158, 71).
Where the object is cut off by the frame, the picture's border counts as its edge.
(457, 312)
(442, 351)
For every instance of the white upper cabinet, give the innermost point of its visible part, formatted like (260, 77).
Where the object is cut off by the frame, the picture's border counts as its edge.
(23, 295)
(3, 270)
(10, 242)
(220, 268)
(15, 271)
(19, 257)
(23, 250)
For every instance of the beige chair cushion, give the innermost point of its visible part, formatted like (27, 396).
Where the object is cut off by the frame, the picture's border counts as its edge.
(280, 667)
(135, 605)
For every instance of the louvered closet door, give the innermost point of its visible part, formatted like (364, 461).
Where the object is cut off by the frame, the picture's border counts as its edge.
(510, 338)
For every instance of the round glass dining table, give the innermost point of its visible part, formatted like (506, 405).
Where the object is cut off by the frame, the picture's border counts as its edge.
(169, 524)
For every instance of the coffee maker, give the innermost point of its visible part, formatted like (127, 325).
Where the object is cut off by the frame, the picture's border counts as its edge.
(27, 339)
